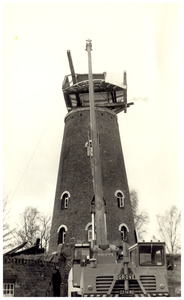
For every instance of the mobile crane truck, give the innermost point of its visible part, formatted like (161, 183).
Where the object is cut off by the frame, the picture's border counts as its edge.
(100, 269)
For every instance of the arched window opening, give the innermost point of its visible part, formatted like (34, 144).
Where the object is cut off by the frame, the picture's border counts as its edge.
(123, 228)
(89, 233)
(62, 234)
(89, 147)
(120, 198)
(123, 233)
(65, 200)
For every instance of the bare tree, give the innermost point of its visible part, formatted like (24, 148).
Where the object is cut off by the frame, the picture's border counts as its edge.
(33, 225)
(141, 218)
(44, 229)
(170, 229)
(28, 228)
(8, 232)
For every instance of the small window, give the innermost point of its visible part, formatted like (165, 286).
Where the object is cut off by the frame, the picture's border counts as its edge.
(8, 290)
(124, 233)
(90, 234)
(120, 198)
(123, 228)
(81, 251)
(89, 230)
(65, 200)
(61, 235)
(89, 147)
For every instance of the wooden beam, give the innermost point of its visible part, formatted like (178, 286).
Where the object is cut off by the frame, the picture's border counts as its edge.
(71, 66)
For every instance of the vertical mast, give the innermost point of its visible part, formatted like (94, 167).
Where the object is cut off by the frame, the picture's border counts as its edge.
(101, 231)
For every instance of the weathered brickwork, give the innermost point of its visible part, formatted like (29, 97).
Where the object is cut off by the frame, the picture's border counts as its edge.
(32, 276)
(75, 176)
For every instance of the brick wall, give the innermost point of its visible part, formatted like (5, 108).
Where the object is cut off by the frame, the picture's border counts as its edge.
(75, 176)
(31, 275)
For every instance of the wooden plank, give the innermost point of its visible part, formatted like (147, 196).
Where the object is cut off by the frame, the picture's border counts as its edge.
(71, 66)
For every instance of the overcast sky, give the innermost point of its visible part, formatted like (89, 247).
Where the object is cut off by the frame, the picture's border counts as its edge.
(144, 40)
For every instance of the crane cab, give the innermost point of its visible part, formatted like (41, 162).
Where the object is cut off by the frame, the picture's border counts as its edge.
(148, 254)
(148, 263)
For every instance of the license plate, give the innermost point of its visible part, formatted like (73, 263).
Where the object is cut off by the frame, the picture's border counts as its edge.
(129, 292)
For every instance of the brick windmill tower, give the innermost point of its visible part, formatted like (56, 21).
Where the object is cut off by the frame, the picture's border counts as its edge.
(75, 207)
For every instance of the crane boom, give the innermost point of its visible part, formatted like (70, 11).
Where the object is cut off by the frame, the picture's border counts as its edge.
(101, 269)
(100, 222)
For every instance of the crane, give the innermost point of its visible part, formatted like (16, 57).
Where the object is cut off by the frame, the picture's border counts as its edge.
(99, 269)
